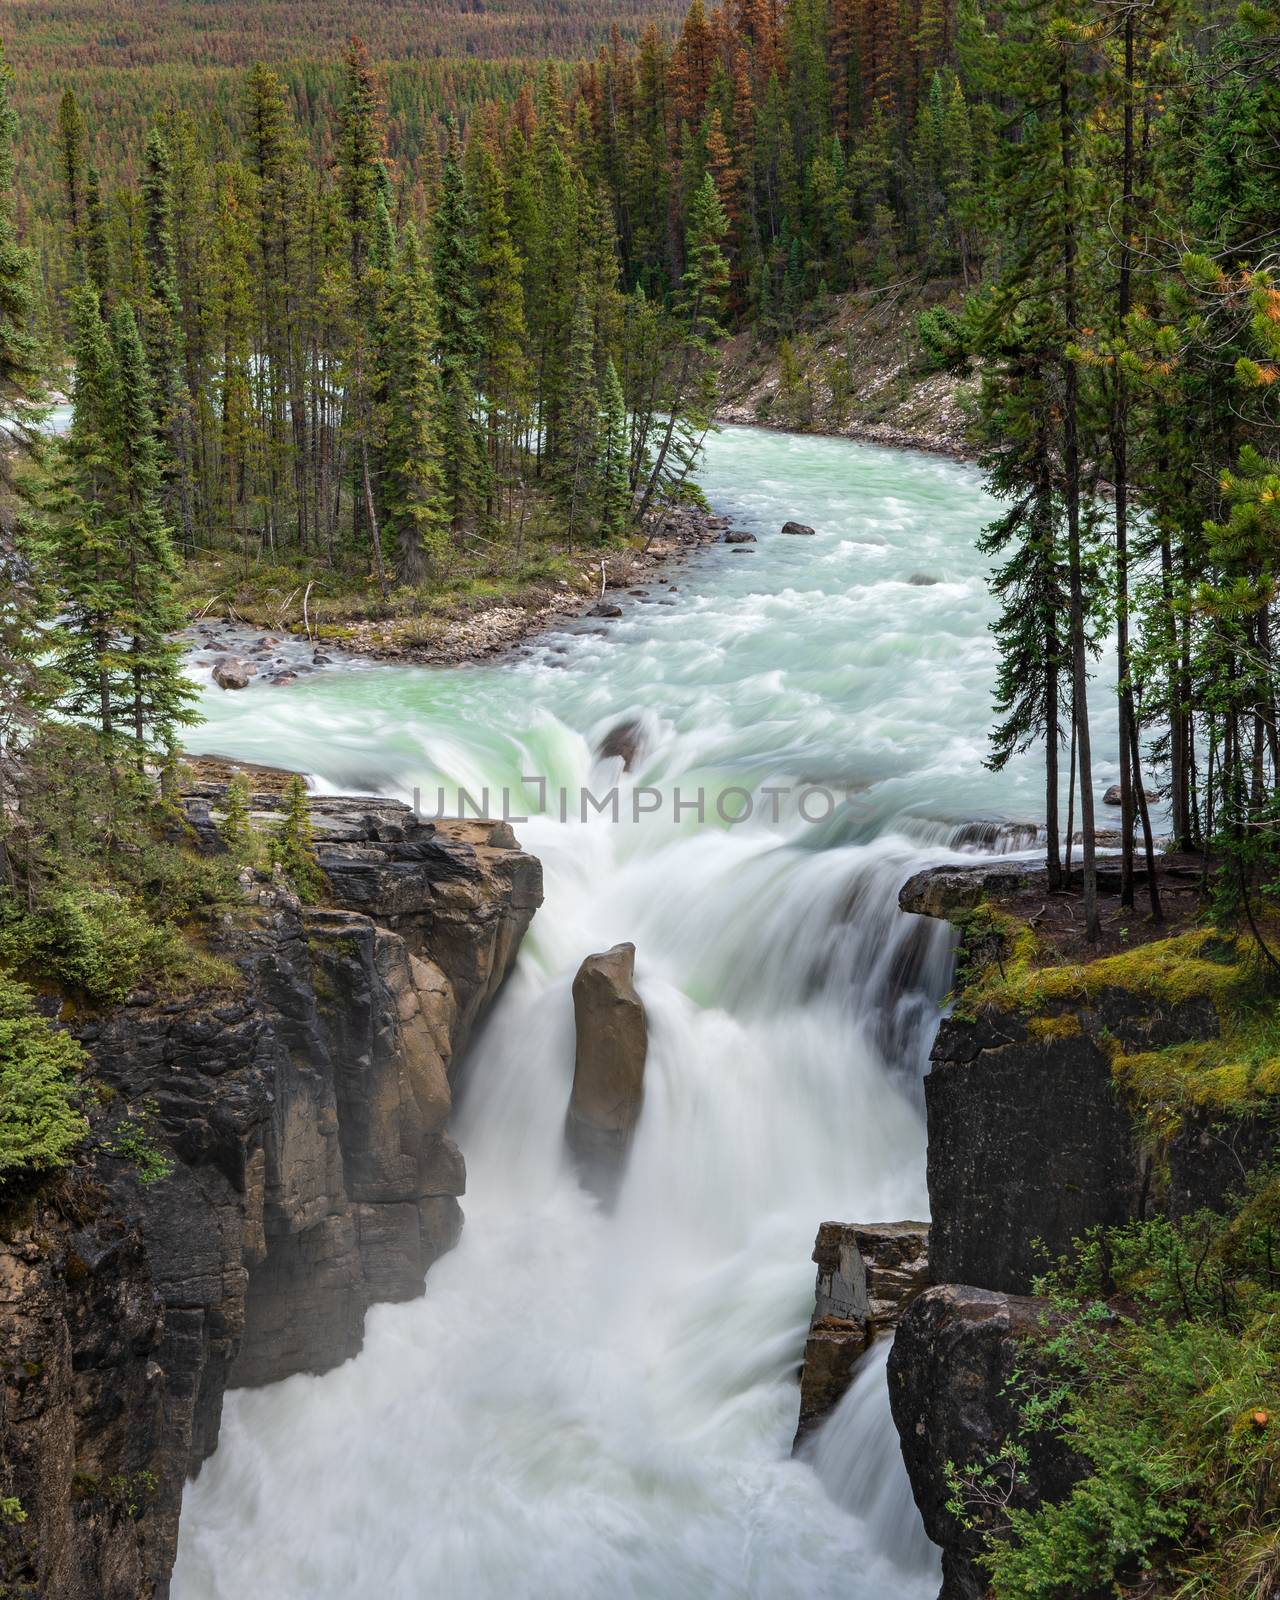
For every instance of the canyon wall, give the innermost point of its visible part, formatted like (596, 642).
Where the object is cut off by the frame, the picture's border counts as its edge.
(1040, 1128)
(269, 1160)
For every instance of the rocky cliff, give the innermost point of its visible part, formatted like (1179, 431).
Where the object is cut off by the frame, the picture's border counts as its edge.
(1068, 1090)
(269, 1160)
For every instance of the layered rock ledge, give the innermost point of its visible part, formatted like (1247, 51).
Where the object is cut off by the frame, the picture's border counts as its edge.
(295, 1132)
(868, 1274)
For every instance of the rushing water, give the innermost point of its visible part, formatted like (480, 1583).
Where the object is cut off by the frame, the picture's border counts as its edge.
(586, 1404)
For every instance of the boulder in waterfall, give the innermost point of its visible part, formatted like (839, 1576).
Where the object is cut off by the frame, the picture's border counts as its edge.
(1112, 796)
(797, 527)
(622, 742)
(608, 1074)
(739, 536)
(233, 673)
(868, 1274)
(922, 580)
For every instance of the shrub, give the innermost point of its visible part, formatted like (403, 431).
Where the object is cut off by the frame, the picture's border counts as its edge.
(943, 342)
(293, 848)
(1160, 1369)
(40, 1123)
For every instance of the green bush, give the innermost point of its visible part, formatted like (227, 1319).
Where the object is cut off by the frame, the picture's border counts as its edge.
(40, 1123)
(1161, 1370)
(943, 341)
(93, 940)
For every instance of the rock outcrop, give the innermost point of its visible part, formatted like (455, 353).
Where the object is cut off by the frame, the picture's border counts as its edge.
(949, 1370)
(293, 1134)
(612, 1040)
(1038, 1132)
(868, 1274)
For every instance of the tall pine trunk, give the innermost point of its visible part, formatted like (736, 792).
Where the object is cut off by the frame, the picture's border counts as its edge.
(1071, 491)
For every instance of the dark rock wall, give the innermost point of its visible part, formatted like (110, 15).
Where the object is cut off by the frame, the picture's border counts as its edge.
(312, 1175)
(954, 1353)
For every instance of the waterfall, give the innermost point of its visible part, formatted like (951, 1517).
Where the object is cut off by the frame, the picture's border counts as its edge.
(587, 1403)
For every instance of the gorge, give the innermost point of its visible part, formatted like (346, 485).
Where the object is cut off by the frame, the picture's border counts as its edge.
(613, 1394)
(606, 1390)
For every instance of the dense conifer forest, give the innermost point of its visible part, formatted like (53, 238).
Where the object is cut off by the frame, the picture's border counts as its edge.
(381, 313)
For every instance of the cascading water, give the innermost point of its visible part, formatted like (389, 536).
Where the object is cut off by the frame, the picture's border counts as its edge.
(589, 1404)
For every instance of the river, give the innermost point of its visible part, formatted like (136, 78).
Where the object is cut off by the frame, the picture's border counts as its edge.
(601, 1405)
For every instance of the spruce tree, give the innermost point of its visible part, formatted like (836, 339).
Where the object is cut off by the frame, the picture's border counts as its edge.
(161, 695)
(578, 465)
(615, 480)
(458, 340)
(413, 487)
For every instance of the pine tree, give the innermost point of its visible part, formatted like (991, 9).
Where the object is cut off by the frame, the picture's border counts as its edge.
(615, 479)
(577, 467)
(86, 551)
(458, 340)
(413, 485)
(161, 695)
(25, 604)
(504, 375)
(71, 140)
(293, 849)
(162, 321)
(236, 828)
(690, 399)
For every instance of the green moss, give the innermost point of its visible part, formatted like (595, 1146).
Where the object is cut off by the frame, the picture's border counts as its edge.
(1064, 1026)
(1235, 1073)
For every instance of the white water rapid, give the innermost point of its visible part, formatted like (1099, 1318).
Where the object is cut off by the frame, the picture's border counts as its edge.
(590, 1406)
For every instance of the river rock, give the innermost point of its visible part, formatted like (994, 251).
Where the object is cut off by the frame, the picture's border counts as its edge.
(1112, 796)
(868, 1274)
(623, 741)
(739, 536)
(233, 673)
(796, 527)
(922, 580)
(608, 1073)
(605, 608)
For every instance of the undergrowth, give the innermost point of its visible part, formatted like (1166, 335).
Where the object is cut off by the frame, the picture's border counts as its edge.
(1159, 1367)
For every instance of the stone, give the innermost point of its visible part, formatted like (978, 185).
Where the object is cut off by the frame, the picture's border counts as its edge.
(945, 891)
(922, 580)
(622, 742)
(796, 527)
(1112, 796)
(233, 673)
(954, 1353)
(612, 1038)
(739, 536)
(1014, 1103)
(867, 1276)
(605, 608)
